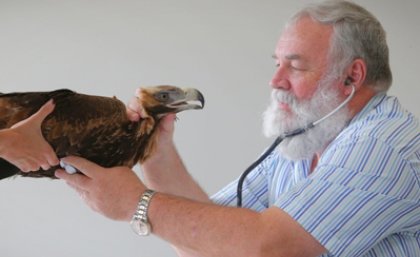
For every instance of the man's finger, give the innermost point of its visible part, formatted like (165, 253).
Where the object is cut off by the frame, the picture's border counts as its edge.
(32, 165)
(44, 111)
(45, 166)
(134, 109)
(24, 166)
(132, 115)
(83, 165)
(52, 159)
(76, 181)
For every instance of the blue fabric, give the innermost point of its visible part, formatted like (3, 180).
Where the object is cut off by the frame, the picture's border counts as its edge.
(363, 198)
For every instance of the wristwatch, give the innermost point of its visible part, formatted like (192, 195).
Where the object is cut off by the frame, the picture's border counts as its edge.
(139, 222)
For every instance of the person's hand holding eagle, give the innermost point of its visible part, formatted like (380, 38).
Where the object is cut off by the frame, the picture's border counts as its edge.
(24, 146)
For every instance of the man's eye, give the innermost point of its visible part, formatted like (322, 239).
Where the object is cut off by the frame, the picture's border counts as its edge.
(296, 68)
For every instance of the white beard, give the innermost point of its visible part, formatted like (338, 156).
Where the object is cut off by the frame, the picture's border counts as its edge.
(277, 121)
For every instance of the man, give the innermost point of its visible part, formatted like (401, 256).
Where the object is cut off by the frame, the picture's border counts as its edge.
(347, 187)
(24, 146)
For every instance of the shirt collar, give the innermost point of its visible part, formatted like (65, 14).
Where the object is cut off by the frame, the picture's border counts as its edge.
(372, 104)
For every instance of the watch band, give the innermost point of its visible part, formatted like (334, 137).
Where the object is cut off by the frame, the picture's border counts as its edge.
(140, 221)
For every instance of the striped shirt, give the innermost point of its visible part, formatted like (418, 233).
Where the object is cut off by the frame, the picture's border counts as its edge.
(363, 198)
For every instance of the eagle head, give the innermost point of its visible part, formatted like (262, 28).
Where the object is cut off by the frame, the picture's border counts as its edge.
(157, 101)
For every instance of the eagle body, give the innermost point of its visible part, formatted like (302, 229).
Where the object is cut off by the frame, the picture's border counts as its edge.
(94, 127)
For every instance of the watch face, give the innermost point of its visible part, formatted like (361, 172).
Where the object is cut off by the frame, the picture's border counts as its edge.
(139, 227)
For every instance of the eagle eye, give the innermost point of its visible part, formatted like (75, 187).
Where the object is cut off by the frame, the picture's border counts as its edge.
(162, 96)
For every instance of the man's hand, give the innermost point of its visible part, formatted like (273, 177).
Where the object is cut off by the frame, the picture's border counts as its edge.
(134, 109)
(113, 192)
(24, 146)
(165, 130)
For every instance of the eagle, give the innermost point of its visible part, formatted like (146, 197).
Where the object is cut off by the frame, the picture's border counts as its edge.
(96, 127)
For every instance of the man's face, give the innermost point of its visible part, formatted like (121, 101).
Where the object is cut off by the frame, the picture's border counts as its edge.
(301, 59)
(303, 91)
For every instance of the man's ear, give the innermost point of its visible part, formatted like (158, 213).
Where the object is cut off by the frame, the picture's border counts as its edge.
(354, 75)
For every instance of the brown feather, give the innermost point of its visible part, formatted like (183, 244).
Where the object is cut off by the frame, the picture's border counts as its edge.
(94, 127)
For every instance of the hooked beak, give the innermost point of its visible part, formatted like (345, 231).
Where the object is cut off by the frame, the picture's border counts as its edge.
(190, 99)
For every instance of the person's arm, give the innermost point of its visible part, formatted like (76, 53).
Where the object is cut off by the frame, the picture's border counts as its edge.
(172, 178)
(211, 230)
(24, 146)
(204, 229)
(165, 172)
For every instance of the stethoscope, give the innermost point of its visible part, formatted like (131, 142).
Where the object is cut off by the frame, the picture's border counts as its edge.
(280, 138)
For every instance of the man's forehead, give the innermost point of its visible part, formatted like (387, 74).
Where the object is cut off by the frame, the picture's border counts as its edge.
(292, 50)
(303, 38)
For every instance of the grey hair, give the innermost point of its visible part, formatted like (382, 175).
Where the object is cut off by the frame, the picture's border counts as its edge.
(356, 34)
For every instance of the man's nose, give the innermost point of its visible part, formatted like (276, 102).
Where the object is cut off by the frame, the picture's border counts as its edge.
(279, 80)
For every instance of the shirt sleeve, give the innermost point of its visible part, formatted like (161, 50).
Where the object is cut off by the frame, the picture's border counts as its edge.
(360, 193)
(254, 190)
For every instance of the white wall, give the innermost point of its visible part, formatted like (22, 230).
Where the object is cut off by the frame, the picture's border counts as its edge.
(110, 47)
